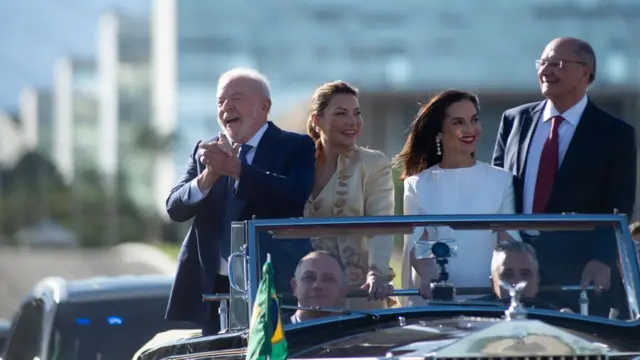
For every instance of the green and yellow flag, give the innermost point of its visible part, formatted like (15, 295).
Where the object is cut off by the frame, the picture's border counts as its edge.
(266, 335)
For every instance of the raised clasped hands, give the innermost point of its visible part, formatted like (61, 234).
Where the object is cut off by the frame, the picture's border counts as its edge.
(596, 273)
(220, 157)
(378, 286)
(225, 146)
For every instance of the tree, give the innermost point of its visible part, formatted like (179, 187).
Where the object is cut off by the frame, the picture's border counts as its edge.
(34, 190)
(151, 143)
(27, 192)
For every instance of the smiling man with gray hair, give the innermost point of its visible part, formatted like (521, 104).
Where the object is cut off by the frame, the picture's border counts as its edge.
(251, 169)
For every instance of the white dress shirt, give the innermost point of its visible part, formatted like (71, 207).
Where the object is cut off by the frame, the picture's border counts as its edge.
(565, 132)
(195, 195)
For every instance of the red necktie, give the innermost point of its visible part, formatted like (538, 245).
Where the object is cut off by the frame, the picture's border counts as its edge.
(548, 168)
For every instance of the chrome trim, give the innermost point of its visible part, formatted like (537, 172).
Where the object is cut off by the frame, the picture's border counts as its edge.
(516, 310)
(631, 283)
(583, 301)
(220, 297)
(456, 312)
(252, 274)
(434, 220)
(231, 270)
(217, 354)
(238, 314)
(223, 314)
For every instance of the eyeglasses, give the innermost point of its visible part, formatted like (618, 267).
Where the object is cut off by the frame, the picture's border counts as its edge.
(556, 64)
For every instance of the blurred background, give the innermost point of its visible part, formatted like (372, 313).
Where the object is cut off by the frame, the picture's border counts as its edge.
(102, 101)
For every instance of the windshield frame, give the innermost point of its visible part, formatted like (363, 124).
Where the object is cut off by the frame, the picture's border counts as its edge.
(619, 222)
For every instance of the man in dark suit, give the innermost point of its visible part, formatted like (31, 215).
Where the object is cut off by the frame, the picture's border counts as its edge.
(266, 173)
(569, 155)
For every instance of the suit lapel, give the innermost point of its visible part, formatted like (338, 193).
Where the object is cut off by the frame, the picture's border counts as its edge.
(263, 157)
(527, 129)
(582, 139)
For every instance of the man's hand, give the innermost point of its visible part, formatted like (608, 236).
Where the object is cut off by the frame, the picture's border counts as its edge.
(218, 162)
(596, 273)
(225, 145)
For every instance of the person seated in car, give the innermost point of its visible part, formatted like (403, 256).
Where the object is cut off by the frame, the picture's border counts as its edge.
(514, 262)
(320, 281)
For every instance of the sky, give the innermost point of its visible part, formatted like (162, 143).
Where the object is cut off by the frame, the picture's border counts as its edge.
(34, 33)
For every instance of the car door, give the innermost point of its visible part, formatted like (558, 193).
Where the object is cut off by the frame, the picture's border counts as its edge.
(24, 342)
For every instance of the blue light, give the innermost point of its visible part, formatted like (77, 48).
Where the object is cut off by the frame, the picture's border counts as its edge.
(83, 321)
(114, 320)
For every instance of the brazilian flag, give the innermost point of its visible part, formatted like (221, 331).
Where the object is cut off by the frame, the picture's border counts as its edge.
(266, 335)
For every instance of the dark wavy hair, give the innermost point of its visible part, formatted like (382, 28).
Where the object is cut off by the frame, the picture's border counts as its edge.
(419, 151)
(319, 102)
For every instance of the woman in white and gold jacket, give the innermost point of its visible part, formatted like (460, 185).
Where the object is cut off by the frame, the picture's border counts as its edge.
(351, 181)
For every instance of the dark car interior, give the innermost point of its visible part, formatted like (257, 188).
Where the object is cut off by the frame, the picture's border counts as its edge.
(104, 330)
(111, 329)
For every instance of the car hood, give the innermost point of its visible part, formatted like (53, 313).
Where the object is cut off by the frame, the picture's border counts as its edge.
(464, 337)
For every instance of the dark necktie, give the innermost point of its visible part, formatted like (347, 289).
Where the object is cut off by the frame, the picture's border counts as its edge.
(548, 168)
(244, 150)
(232, 210)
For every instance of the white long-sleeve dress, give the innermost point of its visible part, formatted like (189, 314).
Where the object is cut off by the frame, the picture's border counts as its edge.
(479, 189)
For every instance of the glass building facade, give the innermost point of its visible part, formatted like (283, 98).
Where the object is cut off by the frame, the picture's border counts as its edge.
(124, 67)
(36, 112)
(76, 132)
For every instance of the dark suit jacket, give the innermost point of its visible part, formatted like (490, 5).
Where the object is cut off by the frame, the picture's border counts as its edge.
(276, 185)
(597, 174)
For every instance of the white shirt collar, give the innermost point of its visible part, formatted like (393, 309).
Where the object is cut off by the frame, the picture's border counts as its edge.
(255, 140)
(572, 115)
(295, 319)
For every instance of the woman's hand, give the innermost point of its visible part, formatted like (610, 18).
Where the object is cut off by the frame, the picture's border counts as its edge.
(427, 270)
(425, 289)
(378, 286)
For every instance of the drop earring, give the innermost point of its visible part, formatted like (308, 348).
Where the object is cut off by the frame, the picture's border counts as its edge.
(438, 146)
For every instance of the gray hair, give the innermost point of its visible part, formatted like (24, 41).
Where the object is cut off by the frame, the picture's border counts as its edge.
(246, 73)
(319, 253)
(511, 246)
(585, 51)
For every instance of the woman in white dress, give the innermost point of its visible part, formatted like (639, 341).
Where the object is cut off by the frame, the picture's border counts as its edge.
(441, 176)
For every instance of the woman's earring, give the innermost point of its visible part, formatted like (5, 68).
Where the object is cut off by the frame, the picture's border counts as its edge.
(438, 146)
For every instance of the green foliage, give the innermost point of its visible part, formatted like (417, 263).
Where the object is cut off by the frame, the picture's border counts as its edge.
(33, 191)
(399, 191)
(399, 201)
(148, 139)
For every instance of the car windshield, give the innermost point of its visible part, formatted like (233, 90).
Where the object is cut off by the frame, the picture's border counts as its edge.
(471, 263)
(109, 329)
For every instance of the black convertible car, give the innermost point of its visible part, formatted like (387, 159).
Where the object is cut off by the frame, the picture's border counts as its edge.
(463, 320)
